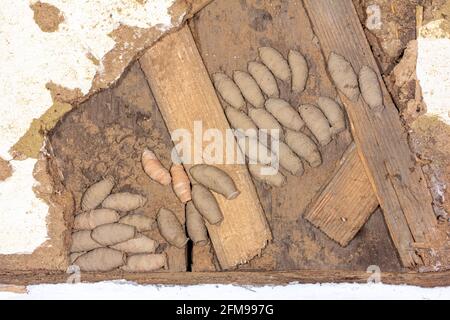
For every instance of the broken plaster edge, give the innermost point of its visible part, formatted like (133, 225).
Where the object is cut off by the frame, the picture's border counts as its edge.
(22, 211)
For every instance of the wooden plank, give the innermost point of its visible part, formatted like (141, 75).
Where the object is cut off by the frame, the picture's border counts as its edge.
(184, 93)
(381, 140)
(346, 202)
(228, 35)
(433, 279)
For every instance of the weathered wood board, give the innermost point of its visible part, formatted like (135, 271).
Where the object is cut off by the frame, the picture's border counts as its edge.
(381, 141)
(185, 95)
(431, 279)
(346, 202)
(228, 34)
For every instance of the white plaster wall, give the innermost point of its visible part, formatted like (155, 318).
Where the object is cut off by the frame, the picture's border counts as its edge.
(29, 59)
(433, 70)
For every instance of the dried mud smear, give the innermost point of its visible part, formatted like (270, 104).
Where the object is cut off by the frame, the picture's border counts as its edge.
(47, 17)
(106, 136)
(5, 170)
(31, 143)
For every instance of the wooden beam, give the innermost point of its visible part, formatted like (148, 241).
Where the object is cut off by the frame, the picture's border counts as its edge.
(346, 202)
(434, 279)
(381, 140)
(184, 94)
(196, 6)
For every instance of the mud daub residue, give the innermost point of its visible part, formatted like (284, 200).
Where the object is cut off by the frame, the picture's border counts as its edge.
(47, 17)
(260, 18)
(106, 136)
(5, 169)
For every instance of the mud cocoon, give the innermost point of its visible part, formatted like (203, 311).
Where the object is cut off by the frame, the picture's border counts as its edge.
(249, 88)
(113, 233)
(228, 90)
(285, 114)
(316, 122)
(304, 147)
(267, 174)
(96, 193)
(139, 221)
(239, 120)
(124, 201)
(299, 70)
(90, 220)
(180, 182)
(73, 256)
(140, 244)
(100, 260)
(333, 112)
(287, 159)
(343, 75)
(255, 151)
(145, 262)
(275, 61)
(196, 225)
(82, 241)
(154, 169)
(266, 121)
(215, 179)
(206, 204)
(370, 88)
(171, 229)
(264, 78)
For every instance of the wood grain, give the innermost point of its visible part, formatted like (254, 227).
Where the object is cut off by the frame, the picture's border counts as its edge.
(346, 202)
(433, 279)
(381, 140)
(184, 93)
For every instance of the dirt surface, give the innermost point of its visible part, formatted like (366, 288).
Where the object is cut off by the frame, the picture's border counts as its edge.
(47, 17)
(30, 145)
(106, 136)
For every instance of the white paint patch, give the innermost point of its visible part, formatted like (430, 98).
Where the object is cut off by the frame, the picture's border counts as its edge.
(373, 21)
(128, 290)
(22, 216)
(433, 70)
(29, 59)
